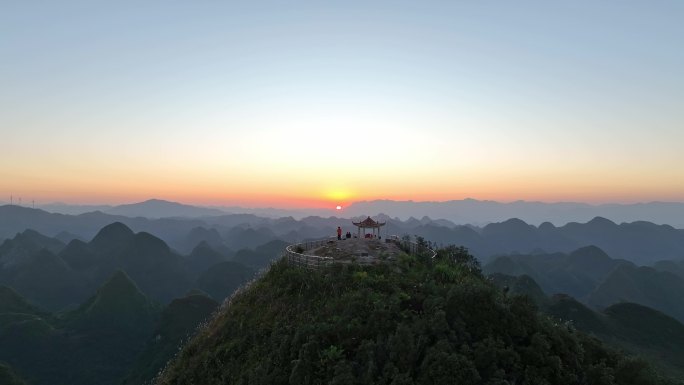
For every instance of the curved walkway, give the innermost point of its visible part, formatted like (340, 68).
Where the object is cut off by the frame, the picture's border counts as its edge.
(325, 252)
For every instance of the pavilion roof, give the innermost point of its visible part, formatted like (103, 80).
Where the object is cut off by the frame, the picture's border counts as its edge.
(368, 222)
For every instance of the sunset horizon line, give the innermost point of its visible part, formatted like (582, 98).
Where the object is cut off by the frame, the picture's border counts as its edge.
(331, 206)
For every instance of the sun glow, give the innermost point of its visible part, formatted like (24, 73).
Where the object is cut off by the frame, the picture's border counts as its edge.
(332, 109)
(338, 195)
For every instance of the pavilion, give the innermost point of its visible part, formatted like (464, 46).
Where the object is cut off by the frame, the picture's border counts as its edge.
(369, 223)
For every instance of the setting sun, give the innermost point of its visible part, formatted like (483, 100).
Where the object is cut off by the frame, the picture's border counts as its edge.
(316, 117)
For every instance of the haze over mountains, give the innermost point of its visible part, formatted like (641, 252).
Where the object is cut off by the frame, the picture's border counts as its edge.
(110, 310)
(64, 278)
(415, 321)
(131, 300)
(640, 242)
(477, 212)
(118, 335)
(594, 278)
(466, 211)
(158, 208)
(59, 276)
(629, 326)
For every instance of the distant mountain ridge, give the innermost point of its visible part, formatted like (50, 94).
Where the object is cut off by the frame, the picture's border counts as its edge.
(151, 208)
(577, 273)
(481, 212)
(640, 242)
(57, 276)
(597, 280)
(628, 326)
(177, 323)
(157, 208)
(118, 304)
(465, 211)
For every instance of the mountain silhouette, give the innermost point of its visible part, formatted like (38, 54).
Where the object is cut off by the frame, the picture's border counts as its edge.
(577, 273)
(262, 255)
(118, 304)
(200, 234)
(79, 255)
(240, 238)
(418, 321)
(177, 323)
(157, 208)
(674, 267)
(642, 285)
(221, 279)
(15, 251)
(116, 332)
(633, 327)
(520, 285)
(481, 212)
(150, 262)
(112, 238)
(203, 256)
(8, 376)
(513, 233)
(46, 279)
(13, 302)
(66, 237)
(640, 242)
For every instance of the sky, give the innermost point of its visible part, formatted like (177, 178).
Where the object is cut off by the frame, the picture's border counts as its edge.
(322, 103)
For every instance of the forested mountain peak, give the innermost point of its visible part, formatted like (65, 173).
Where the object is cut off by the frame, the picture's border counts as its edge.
(111, 236)
(415, 321)
(146, 242)
(24, 244)
(13, 302)
(601, 222)
(118, 304)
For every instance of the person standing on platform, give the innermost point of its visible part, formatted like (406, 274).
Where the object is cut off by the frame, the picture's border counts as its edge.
(339, 233)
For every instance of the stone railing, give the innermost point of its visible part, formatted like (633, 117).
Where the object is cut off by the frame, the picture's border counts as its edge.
(296, 255)
(412, 247)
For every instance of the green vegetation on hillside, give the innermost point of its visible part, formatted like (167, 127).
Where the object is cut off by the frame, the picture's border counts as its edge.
(643, 285)
(94, 344)
(118, 305)
(594, 278)
(12, 302)
(221, 280)
(577, 273)
(178, 321)
(629, 326)
(414, 322)
(8, 377)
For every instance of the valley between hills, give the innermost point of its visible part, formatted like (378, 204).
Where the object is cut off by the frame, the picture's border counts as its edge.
(115, 304)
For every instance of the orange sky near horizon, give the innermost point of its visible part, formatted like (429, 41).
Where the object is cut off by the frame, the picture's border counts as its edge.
(319, 104)
(302, 190)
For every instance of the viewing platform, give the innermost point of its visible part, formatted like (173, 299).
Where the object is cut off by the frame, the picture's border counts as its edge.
(360, 250)
(363, 251)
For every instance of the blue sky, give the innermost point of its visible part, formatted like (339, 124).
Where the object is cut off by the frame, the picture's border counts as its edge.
(219, 102)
